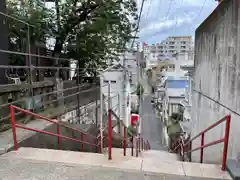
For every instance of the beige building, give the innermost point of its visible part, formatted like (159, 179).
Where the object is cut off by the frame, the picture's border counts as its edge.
(171, 46)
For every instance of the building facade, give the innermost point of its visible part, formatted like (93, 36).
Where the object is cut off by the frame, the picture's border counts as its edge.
(171, 46)
(120, 100)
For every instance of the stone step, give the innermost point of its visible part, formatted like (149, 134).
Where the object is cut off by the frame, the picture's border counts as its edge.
(32, 163)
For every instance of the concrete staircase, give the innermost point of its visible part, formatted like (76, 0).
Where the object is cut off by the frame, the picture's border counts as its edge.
(44, 164)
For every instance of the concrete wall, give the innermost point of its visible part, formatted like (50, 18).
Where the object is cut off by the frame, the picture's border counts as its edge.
(217, 70)
(39, 140)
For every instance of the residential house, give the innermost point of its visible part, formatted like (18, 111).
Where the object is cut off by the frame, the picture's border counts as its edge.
(120, 100)
(174, 94)
(187, 101)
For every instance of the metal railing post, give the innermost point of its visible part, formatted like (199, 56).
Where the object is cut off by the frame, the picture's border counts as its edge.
(82, 139)
(132, 145)
(15, 146)
(124, 141)
(109, 134)
(148, 144)
(58, 133)
(190, 153)
(109, 124)
(201, 152)
(96, 145)
(101, 115)
(142, 143)
(100, 145)
(139, 144)
(226, 138)
(137, 147)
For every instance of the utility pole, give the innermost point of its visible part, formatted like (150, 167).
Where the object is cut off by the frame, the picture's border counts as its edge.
(124, 88)
(140, 89)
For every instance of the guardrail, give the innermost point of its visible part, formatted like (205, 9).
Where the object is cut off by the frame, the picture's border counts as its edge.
(186, 147)
(140, 143)
(58, 135)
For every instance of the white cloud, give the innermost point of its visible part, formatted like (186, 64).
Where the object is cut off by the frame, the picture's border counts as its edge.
(155, 25)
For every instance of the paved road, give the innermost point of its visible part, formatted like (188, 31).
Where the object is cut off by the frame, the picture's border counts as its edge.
(152, 128)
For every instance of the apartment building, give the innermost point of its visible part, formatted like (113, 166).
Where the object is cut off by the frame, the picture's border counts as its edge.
(171, 46)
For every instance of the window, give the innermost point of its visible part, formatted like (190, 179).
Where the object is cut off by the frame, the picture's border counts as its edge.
(183, 42)
(112, 81)
(183, 47)
(171, 42)
(105, 81)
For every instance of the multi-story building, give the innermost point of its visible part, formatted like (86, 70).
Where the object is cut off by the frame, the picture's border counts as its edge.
(171, 46)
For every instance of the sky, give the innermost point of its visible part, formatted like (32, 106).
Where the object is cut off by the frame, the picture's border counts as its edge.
(163, 18)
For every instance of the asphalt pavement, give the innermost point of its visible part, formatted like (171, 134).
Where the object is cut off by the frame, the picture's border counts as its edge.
(152, 128)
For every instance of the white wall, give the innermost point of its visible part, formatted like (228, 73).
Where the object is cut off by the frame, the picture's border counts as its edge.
(128, 105)
(115, 88)
(182, 59)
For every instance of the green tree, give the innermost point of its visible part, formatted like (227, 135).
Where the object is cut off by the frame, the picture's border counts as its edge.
(91, 31)
(20, 34)
(140, 90)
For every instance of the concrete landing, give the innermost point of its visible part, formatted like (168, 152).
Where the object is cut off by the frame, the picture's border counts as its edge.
(30, 163)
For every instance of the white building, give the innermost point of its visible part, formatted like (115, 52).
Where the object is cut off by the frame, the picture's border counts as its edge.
(120, 100)
(171, 46)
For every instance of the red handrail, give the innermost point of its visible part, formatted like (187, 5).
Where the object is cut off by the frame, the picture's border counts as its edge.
(14, 126)
(182, 145)
(139, 143)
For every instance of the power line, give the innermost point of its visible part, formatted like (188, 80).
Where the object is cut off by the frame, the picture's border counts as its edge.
(140, 14)
(200, 12)
(169, 9)
(166, 16)
(177, 18)
(150, 4)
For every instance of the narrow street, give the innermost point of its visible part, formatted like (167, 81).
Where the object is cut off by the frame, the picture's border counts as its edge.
(152, 128)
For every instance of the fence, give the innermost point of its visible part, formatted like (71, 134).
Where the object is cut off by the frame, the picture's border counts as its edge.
(58, 135)
(33, 77)
(41, 87)
(98, 141)
(185, 147)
